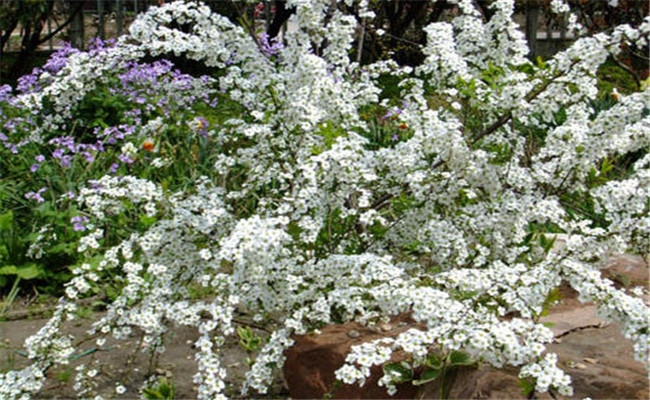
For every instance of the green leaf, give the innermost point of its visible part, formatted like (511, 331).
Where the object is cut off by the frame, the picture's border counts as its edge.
(30, 271)
(9, 270)
(427, 376)
(244, 333)
(399, 371)
(526, 387)
(433, 361)
(27, 271)
(151, 394)
(62, 248)
(546, 243)
(147, 221)
(6, 220)
(460, 358)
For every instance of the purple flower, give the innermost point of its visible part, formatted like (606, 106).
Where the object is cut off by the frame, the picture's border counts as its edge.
(65, 161)
(36, 195)
(34, 167)
(202, 126)
(125, 159)
(79, 222)
(58, 153)
(270, 47)
(59, 60)
(5, 92)
(28, 83)
(40, 158)
(393, 114)
(96, 45)
(114, 168)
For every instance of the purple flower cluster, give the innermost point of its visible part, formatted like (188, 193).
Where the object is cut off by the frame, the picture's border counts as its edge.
(141, 73)
(151, 89)
(97, 45)
(36, 195)
(203, 125)
(270, 46)
(79, 222)
(57, 61)
(157, 87)
(10, 126)
(125, 159)
(114, 134)
(29, 83)
(66, 147)
(5, 94)
(39, 159)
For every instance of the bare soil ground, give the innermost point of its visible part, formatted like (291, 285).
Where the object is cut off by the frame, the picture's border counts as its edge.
(126, 362)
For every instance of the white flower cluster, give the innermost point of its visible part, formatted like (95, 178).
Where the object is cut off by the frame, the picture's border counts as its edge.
(311, 218)
(107, 195)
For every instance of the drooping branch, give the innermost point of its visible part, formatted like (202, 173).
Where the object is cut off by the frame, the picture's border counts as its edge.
(505, 118)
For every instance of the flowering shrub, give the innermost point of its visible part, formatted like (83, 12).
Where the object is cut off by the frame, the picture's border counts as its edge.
(329, 202)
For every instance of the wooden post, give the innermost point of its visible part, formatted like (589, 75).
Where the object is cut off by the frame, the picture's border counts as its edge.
(77, 27)
(101, 30)
(532, 16)
(362, 37)
(119, 20)
(50, 43)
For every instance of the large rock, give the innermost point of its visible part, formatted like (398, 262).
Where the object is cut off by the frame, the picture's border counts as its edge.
(311, 362)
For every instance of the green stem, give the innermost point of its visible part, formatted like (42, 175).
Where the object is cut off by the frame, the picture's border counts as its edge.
(442, 383)
(11, 296)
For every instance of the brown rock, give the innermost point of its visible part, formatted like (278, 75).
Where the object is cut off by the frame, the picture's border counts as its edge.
(563, 320)
(627, 270)
(478, 383)
(311, 362)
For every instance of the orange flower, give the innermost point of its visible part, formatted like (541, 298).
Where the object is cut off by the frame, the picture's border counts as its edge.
(403, 126)
(148, 145)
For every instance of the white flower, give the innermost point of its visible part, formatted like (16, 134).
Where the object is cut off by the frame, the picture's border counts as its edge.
(205, 254)
(120, 389)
